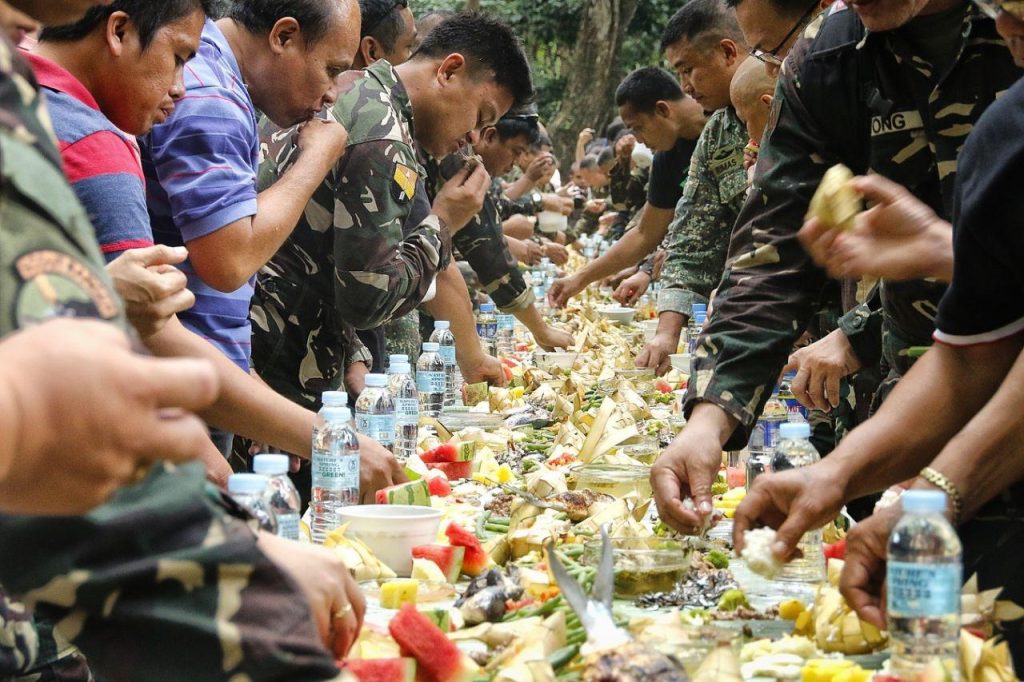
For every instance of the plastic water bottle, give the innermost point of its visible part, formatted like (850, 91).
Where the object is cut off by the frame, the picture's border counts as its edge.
(764, 437)
(794, 452)
(506, 334)
(375, 411)
(335, 471)
(280, 495)
(487, 327)
(923, 579)
(695, 326)
(407, 409)
(248, 489)
(445, 341)
(396, 358)
(430, 380)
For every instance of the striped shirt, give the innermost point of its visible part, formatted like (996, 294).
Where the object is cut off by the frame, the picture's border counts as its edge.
(201, 169)
(101, 162)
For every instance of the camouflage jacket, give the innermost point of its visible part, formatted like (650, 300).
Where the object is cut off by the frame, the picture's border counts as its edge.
(865, 100)
(698, 238)
(168, 565)
(365, 251)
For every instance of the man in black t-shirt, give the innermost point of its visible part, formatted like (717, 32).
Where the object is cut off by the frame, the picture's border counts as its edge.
(661, 116)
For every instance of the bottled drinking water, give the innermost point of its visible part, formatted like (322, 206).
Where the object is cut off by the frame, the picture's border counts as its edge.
(764, 437)
(280, 495)
(923, 579)
(794, 452)
(487, 327)
(397, 357)
(375, 411)
(430, 380)
(506, 334)
(247, 489)
(445, 340)
(695, 326)
(407, 409)
(335, 471)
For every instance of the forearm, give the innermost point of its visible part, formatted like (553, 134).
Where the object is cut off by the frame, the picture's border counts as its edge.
(452, 303)
(519, 187)
(670, 325)
(531, 319)
(245, 406)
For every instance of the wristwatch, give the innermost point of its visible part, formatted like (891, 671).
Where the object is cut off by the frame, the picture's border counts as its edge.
(538, 201)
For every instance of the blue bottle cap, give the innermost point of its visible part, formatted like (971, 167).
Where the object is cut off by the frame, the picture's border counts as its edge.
(375, 380)
(487, 307)
(270, 465)
(337, 414)
(924, 501)
(247, 484)
(334, 399)
(442, 324)
(430, 347)
(795, 430)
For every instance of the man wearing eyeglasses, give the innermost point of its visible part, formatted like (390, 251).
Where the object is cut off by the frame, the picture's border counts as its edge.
(765, 24)
(888, 85)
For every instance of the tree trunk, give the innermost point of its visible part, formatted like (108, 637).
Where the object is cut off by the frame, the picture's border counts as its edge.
(472, 5)
(594, 73)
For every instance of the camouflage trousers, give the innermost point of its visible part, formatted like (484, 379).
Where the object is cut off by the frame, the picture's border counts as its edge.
(164, 582)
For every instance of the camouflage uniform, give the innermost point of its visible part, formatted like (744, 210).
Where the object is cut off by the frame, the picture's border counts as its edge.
(627, 191)
(698, 238)
(863, 99)
(365, 251)
(165, 581)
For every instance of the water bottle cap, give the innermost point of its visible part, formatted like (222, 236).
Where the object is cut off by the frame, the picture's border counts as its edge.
(400, 368)
(795, 430)
(700, 316)
(431, 347)
(398, 357)
(270, 465)
(924, 501)
(487, 307)
(251, 484)
(375, 380)
(334, 399)
(337, 414)
(442, 324)
(545, 261)
(699, 307)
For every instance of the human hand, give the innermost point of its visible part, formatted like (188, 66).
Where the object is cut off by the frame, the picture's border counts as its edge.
(655, 354)
(323, 136)
(793, 502)
(562, 290)
(462, 197)
(88, 415)
(528, 251)
(483, 368)
(336, 602)
(863, 578)
(519, 226)
(596, 206)
(558, 254)
(550, 338)
(632, 288)
(687, 468)
(585, 137)
(153, 289)
(355, 377)
(557, 204)
(539, 167)
(820, 368)
(898, 238)
(624, 148)
(378, 469)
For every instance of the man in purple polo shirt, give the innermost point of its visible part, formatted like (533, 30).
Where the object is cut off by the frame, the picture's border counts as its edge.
(276, 56)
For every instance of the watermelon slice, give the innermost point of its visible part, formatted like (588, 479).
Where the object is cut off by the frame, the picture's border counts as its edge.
(476, 560)
(453, 470)
(442, 453)
(439, 486)
(382, 669)
(448, 558)
(467, 451)
(437, 658)
(442, 618)
(414, 493)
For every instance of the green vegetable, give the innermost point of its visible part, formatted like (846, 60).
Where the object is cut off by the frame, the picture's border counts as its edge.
(719, 488)
(732, 600)
(717, 558)
(563, 656)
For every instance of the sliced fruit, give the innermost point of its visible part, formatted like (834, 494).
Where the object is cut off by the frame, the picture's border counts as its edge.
(836, 550)
(447, 558)
(455, 471)
(395, 593)
(466, 451)
(382, 669)
(442, 453)
(437, 658)
(476, 559)
(414, 493)
(791, 609)
(439, 486)
(442, 618)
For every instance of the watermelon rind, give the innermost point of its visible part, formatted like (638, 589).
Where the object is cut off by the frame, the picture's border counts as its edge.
(447, 557)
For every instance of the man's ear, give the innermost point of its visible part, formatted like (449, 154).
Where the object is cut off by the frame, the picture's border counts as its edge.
(284, 34)
(662, 108)
(117, 29)
(730, 50)
(767, 100)
(453, 65)
(369, 48)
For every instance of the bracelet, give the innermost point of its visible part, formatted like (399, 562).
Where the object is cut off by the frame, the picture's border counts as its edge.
(941, 482)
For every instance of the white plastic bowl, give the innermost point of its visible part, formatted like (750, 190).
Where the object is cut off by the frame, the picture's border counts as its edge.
(555, 360)
(392, 530)
(617, 314)
(680, 362)
(550, 222)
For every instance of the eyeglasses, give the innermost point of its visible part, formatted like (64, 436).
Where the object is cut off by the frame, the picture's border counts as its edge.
(772, 56)
(1014, 8)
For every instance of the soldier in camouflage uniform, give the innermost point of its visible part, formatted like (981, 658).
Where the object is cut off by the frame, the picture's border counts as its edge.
(169, 565)
(867, 99)
(370, 245)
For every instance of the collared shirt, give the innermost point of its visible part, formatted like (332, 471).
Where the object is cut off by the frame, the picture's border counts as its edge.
(201, 169)
(101, 162)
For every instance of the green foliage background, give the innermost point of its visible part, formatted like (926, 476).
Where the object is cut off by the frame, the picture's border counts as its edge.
(550, 30)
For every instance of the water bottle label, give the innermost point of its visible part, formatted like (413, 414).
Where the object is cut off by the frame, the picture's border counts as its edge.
(488, 330)
(506, 323)
(407, 410)
(794, 407)
(288, 526)
(923, 590)
(430, 382)
(447, 354)
(380, 427)
(331, 471)
(765, 434)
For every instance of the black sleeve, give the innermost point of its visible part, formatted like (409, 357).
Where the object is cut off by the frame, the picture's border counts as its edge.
(668, 175)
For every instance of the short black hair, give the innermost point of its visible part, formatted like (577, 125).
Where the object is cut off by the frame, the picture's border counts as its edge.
(645, 87)
(614, 128)
(543, 140)
(700, 19)
(148, 16)
(382, 19)
(588, 162)
(606, 156)
(490, 43)
(509, 127)
(259, 16)
(791, 8)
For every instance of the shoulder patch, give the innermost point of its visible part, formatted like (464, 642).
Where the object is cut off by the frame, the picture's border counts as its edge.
(406, 178)
(55, 284)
